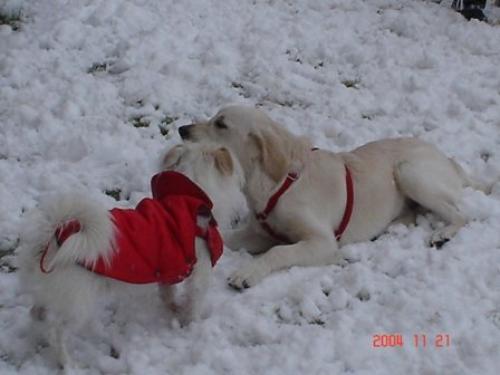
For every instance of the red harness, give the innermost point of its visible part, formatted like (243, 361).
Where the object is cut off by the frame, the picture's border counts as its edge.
(290, 179)
(61, 234)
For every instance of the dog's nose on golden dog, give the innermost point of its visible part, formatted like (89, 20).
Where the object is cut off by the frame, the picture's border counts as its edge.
(184, 131)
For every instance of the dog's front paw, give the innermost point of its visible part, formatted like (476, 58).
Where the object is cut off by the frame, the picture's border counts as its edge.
(339, 259)
(439, 238)
(249, 275)
(443, 235)
(187, 317)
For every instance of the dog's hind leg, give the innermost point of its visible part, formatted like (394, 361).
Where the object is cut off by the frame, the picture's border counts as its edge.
(38, 313)
(59, 339)
(167, 295)
(434, 183)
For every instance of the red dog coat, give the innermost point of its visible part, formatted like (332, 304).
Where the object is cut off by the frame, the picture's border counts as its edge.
(155, 242)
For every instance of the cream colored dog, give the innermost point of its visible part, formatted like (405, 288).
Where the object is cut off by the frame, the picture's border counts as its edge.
(388, 175)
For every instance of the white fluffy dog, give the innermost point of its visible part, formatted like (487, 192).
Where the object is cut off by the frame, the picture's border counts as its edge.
(306, 202)
(58, 268)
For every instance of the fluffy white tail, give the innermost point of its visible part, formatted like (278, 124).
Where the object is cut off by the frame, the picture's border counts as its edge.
(94, 240)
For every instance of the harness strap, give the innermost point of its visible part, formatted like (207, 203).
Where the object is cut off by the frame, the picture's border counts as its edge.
(61, 234)
(212, 238)
(205, 212)
(271, 203)
(348, 206)
(290, 179)
(201, 232)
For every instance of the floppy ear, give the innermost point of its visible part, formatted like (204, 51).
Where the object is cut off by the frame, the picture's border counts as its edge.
(272, 156)
(172, 157)
(223, 161)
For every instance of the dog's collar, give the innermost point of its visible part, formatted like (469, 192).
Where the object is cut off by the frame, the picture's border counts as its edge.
(287, 183)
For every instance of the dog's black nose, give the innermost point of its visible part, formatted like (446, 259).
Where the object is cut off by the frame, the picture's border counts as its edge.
(184, 131)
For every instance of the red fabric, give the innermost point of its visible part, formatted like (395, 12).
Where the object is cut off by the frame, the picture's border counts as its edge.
(271, 203)
(155, 242)
(66, 230)
(61, 234)
(348, 206)
(290, 179)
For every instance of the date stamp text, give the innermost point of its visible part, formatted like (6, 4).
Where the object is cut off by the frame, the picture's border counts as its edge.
(417, 340)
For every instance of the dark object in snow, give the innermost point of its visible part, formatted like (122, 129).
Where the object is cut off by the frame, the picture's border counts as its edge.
(140, 122)
(363, 295)
(114, 193)
(7, 265)
(439, 244)
(13, 19)
(7, 256)
(474, 13)
(470, 9)
(98, 67)
(114, 353)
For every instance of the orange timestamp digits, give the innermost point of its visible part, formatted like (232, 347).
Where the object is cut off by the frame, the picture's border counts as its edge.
(387, 340)
(418, 340)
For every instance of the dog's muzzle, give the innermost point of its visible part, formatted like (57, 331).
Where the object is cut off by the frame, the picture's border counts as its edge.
(185, 131)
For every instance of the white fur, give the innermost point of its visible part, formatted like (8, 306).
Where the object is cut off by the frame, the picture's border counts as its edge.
(65, 299)
(387, 174)
(96, 234)
(197, 161)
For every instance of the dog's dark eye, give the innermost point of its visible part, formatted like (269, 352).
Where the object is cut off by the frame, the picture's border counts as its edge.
(219, 123)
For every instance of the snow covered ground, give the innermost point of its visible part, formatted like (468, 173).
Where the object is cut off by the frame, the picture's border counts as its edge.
(85, 87)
